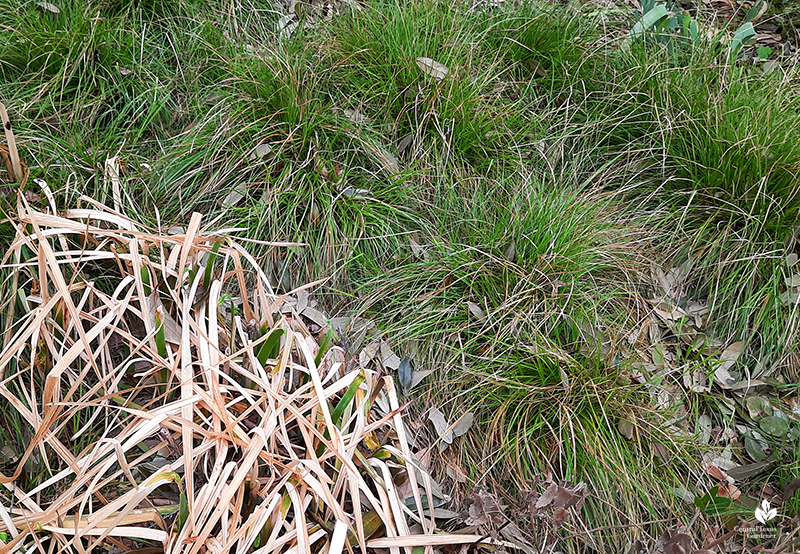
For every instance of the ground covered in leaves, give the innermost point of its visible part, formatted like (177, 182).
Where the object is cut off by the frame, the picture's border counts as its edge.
(325, 276)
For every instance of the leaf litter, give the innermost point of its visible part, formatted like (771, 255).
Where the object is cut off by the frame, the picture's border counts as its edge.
(750, 422)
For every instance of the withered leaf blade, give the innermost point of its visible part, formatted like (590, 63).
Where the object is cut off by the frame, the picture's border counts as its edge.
(789, 298)
(433, 68)
(476, 310)
(560, 515)
(547, 497)
(262, 150)
(47, 6)
(389, 359)
(440, 424)
(510, 253)
(537, 68)
(749, 471)
(679, 543)
(463, 424)
(482, 506)
(419, 376)
(790, 488)
(728, 358)
(476, 515)
(660, 450)
(627, 429)
(569, 496)
(405, 143)
(235, 195)
(206, 351)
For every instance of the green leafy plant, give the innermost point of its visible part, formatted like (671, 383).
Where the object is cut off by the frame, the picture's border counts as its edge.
(271, 346)
(712, 503)
(742, 36)
(668, 25)
(664, 24)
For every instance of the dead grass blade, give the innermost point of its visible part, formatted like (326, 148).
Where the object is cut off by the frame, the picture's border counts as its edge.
(16, 169)
(170, 397)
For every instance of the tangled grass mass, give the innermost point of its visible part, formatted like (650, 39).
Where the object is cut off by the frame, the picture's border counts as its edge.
(227, 426)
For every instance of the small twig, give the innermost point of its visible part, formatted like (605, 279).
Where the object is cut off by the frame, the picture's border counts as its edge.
(486, 536)
(723, 538)
(694, 518)
(319, 521)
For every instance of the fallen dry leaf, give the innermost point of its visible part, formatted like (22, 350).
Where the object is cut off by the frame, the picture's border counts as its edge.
(463, 424)
(433, 68)
(728, 358)
(569, 496)
(547, 497)
(560, 515)
(440, 424)
(47, 6)
(483, 508)
(476, 310)
(389, 359)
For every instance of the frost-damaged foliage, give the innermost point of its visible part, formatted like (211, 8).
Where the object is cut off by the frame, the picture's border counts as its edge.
(166, 396)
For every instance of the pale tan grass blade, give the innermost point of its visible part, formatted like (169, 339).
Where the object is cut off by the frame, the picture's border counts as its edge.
(298, 479)
(17, 173)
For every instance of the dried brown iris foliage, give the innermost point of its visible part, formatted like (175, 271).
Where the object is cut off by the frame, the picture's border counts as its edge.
(209, 419)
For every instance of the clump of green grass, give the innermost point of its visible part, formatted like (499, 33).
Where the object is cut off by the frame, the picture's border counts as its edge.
(717, 169)
(122, 75)
(568, 426)
(727, 133)
(518, 307)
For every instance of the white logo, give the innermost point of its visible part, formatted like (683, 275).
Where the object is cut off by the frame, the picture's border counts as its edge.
(764, 513)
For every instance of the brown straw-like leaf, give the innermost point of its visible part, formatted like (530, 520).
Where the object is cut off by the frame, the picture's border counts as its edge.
(170, 429)
(8, 152)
